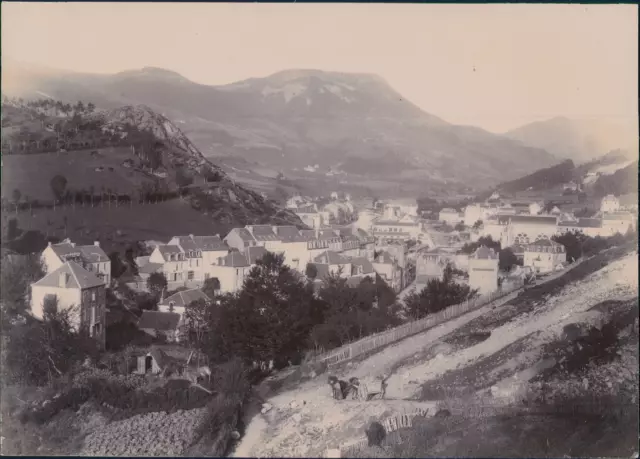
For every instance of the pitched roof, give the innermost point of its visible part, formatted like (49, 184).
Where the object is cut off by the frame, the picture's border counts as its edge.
(168, 250)
(93, 253)
(253, 254)
(234, 260)
(155, 320)
(288, 234)
(150, 268)
(484, 253)
(534, 246)
(394, 223)
(161, 357)
(322, 270)
(384, 257)
(210, 243)
(242, 233)
(329, 257)
(309, 209)
(367, 266)
(263, 233)
(327, 234)
(307, 235)
(76, 277)
(527, 219)
(185, 297)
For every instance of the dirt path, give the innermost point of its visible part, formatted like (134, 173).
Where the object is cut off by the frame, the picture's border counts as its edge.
(306, 419)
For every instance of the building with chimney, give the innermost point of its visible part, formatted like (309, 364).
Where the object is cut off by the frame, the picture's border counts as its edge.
(544, 256)
(90, 257)
(71, 286)
(483, 270)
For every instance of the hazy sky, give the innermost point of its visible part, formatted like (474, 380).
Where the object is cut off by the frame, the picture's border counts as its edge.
(494, 66)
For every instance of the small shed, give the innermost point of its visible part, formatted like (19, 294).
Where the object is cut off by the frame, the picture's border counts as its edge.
(155, 361)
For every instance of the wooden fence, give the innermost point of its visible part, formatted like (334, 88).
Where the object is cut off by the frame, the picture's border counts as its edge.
(372, 342)
(351, 350)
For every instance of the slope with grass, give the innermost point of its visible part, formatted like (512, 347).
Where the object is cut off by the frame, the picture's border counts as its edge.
(495, 350)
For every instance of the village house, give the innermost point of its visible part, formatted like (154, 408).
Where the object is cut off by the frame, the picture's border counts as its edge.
(395, 230)
(174, 264)
(591, 227)
(179, 301)
(451, 216)
(240, 239)
(331, 263)
(573, 186)
(70, 285)
(521, 229)
(200, 253)
(477, 212)
(430, 265)
(362, 267)
(387, 268)
(617, 222)
(293, 245)
(310, 216)
(232, 269)
(90, 257)
(544, 256)
(609, 204)
(161, 324)
(483, 270)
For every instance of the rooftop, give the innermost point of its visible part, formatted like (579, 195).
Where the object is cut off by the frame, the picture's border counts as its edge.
(263, 233)
(527, 219)
(234, 260)
(242, 233)
(185, 297)
(75, 277)
(162, 321)
(329, 257)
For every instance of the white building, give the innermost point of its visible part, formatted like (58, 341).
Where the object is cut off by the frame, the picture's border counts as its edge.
(232, 269)
(173, 263)
(591, 227)
(200, 253)
(451, 216)
(609, 204)
(618, 222)
(483, 270)
(396, 230)
(475, 212)
(70, 285)
(521, 229)
(544, 256)
(90, 257)
(310, 216)
(330, 263)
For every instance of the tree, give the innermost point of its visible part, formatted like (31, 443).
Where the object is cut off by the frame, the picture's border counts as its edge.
(507, 259)
(477, 225)
(486, 241)
(16, 276)
(91, 107)
(311, 271)
(16, 195)
(196, 322)
(459, 227)
(156, 283)
(438, 295)
(58, 186)
(117, 266)
(268, 320)
(211, 287)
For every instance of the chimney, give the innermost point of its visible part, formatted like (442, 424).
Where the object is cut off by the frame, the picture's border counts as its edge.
(73, 244)
(49, 244)
(96, 243)
(62, 282)
(191, 236)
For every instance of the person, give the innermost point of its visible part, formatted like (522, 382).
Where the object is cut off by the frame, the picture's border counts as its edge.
(340, 389)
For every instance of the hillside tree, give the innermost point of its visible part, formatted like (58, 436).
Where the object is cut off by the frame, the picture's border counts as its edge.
(58, 186)
(311, 271)
(211, 287)
(507, 259)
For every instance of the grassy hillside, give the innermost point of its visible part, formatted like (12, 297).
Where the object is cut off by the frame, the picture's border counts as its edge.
(549, 177)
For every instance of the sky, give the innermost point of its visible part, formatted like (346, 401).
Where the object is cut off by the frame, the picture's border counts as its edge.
(493, 66)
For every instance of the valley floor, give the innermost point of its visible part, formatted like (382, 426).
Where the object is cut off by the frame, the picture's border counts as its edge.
(502, 352)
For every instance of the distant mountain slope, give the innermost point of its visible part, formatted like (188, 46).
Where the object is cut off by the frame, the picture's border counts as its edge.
(622, 181)
(123, 164)
(299, 117)
(579, 140)
(542, 179)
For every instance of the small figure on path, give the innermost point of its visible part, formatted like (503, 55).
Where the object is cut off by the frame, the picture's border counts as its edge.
(339, 388)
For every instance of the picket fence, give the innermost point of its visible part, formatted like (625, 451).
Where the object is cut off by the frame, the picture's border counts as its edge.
(372, 342)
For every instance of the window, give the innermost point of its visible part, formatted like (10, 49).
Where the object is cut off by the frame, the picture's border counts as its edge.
(93, 295)
(190, 275)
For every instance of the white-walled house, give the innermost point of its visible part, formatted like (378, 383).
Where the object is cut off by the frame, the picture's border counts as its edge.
(387, 268)
(483, 270)
(523, 229)
(617, 222)
(396, 230)
(293, 245)
(200, 253)
(451, 216)
(591, 227)
(72, 285)
(90, 257)
(233, 268)
(173, 260)
(179, 301)
(240, 239)
(310, 216)
(544, 256)
(609, 204)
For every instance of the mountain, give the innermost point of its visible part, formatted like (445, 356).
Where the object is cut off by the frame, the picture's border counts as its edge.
(579, 140)
(351, 123)
(129, 152)
(542, 179)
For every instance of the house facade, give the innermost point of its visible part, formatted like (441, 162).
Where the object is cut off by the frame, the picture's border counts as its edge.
(388, 269)
(200, 253)
(90, 257)
(70, 286)
(525, 229)
(483, 270)
(451, 216)
(544, 256)
(396, 230)
(175, 265)
(609, 204)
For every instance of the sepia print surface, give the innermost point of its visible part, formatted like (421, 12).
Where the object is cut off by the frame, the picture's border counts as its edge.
(319, 230)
